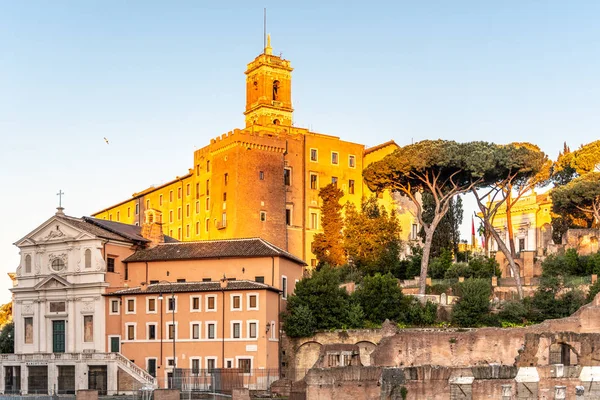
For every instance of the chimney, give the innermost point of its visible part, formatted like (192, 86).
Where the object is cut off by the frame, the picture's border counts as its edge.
(144, 286)
(152, 227)
(224, 282)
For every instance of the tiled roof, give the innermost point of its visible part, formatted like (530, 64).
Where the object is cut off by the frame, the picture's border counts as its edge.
(132, 232)
(380, 146)
(207, 249)
(180, 287)
(91, 228)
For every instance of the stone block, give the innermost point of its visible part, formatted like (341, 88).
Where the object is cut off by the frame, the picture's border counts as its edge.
(87, 394)
(240, 394)
(166, 394)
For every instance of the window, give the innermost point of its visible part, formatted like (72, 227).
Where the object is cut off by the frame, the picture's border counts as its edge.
(187, 189)
(151, 367)
(224, 196)
(245, 364)
(208, 187)
(151, 331)
(137, 208)
(210, 303)
(236, 330)
(180, 280)
(272, 330)
(171, 196)
(334, 158)
(197, 169)
(195, 304)
(229, 364)
(110, 217)
(236, 302)
(197, 191)
(126, 275)
(151, 305)
(195, 366)
(128, 212)
(171, 216)
(187, 230)
(110, 264)
(28, 321)
(178, 192)
(413, 232)
(197, 207)
(263, 216)
(224, 220)
(179, 233)
(225, 179)
(171, 330)
(178, 213)
(284, 287)
(288, 216)
(314, 221)
(351, 161)
(207, 203)
(118, 216)
(172, 304)
(314, 155)
(206, 223)
(252, 330)
(261, 175)
(88, 328)
(114, 306)
(210, 327)
(58, 306)
(187, 210)
(207, 165)
(313, 262)
(197, 228)
(313, 181)
(147, 204)
(87, 257)
(521, 244)
(210, 364)
(28, 263)
(130, 306)
(206, 280)
(259, 279)
(159, 203)
(287, 177)
(252, 302)
(334, 180)
(130, 332)
(195, 331)
(351, 186)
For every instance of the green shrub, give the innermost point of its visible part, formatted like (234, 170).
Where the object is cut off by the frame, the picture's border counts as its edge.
(514, 312)
(594, 290)
(380, 298)
(299, 322)
(473, 307)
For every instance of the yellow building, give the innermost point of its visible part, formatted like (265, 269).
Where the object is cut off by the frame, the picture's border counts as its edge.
(262, 180)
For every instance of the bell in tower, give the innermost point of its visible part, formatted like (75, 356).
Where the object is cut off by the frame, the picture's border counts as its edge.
(268, 90)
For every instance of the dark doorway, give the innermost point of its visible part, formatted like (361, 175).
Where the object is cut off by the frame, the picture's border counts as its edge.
(97, 378)
(115, 344)
(12, 380)
(66, 379)
(37, 381)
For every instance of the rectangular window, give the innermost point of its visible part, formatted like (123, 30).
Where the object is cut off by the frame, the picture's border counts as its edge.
(178, 213)
(180, 280)
(207, 203)
(151, 305)
(114, 306)
(187, 210)
(126, 274)
(236, 302)
(152, 332)
(195, 331)
(313, 181)
(187, 189)
(314, 221)
(172, 304)
(195, 303)
(288, 216)
(197, 207)
(261, 175)
(151, 367)
(206, 224)
(207, 165)
(128, 212)
(351, 186)
(224, 220)
(178, 192)
(334, 180)
(197, 191)
(314, 155)
(208, 187)
(171, 331)
(351, 161)
(137, 208)
(130, 305)
(259, 279)
(118, 216)
(195, 366)
(521, 244)
(110, 264)
(88, 328)
(147, 204)
(130, 332)
(245, 364)
(171, 216)
(284, 287)
(210, 303)
(179, 234)
(413, 232)
(263, 216)
(334, 158)
(252, 330)
(211, 331)
(225, 179)
(236, 330)
(252, 302)
(171, 196)
(28, 321)
(287, 177)
(187, 231)
(210, 364)
(160, 200)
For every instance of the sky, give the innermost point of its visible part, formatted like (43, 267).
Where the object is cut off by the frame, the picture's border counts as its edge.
(160, 79)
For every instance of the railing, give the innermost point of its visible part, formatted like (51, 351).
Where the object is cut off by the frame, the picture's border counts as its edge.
(220, 380)
(140, 371)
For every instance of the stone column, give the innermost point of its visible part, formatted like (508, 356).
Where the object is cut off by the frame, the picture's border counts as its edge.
(579, 393)
(24, 378)
(507, 392)
(560, 392)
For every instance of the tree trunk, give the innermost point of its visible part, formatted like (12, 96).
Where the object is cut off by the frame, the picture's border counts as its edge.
(509, 225)
(425, 260)
(511, 261)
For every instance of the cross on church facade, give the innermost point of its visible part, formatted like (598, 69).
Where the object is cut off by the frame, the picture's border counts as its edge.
(60, 195)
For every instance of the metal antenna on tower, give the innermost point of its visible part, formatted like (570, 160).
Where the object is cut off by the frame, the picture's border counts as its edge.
(264, 28)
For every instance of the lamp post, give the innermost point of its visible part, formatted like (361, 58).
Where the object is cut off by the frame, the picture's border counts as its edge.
(160, 297)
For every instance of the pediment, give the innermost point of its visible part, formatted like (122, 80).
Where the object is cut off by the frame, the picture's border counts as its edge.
(53, 282)
(54, 230)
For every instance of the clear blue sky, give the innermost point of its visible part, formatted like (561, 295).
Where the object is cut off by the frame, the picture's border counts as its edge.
(161, 78)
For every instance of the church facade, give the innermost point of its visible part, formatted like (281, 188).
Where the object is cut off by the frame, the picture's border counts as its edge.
(262, 180)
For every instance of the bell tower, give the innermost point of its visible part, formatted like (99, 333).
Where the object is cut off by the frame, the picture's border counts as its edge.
(268, 90)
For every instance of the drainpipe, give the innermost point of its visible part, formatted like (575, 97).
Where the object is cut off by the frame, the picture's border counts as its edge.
(272, 271)
(279, 338)
(223, 327)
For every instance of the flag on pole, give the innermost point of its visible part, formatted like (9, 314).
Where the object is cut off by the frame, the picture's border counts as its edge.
(473, 240)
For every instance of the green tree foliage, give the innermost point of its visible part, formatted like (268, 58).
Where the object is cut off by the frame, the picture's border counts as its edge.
(380, 298)
(520, 167)
(440, 167)
(440, 264)
(372, 237)
(447, 233)
(515, 312)
(7, 338)
(300, 322)
(477, 267)
(571, 264)
(418, 314)
(411, 265)
(579, 199)
(320, 294)
(547, 303)
(328, 246)
(563, 171)
(594, 290)
(473, 307)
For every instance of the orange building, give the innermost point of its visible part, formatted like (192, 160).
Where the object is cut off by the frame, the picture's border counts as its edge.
(262, 180)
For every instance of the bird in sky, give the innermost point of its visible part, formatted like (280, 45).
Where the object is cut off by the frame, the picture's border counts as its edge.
(106, 140)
